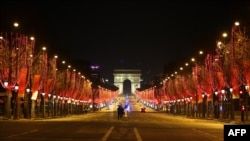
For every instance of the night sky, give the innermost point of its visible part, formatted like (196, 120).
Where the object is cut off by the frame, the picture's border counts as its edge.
(146, 35)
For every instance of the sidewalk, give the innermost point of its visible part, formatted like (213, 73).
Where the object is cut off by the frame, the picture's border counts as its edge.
(237, 120)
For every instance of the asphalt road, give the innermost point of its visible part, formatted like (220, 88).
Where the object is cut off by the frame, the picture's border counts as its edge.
(104, 126)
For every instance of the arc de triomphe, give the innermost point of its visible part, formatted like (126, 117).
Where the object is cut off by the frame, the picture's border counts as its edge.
(133, 75)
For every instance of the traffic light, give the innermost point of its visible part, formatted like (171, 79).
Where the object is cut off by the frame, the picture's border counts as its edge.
(243, 108)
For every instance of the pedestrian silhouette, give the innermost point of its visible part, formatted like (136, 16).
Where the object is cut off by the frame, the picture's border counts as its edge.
(120, 111)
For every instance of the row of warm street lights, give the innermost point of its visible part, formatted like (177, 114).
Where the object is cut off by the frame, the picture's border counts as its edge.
(36, 85)
(216, 86)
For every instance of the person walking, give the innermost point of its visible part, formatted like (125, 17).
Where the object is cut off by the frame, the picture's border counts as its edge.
(120, 111)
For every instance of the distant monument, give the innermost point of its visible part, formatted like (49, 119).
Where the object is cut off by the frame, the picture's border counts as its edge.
(122, 75)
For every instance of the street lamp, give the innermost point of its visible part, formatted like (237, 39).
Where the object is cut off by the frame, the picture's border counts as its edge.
(16, 24)
(49, 105)
(191, 106)
(16, 87)
(204, 108)
(196, 93)
(15, 109)
(246, 102)
(216, 92)
(231, 89)
(223, 102)
(5, 83)
(197, 75)
(231, 103)
(28, 90)
(27, 103)
(216, 107)
(7, 99)
(54, 105)
(43, 95)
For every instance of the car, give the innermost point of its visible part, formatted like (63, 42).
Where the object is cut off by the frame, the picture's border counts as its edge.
(143, 110)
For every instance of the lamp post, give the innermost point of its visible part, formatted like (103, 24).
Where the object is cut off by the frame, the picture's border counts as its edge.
(60, 105)
(243, 101)
(64, 77)
(63, 96)
(54, 105)
(49, 103)
(204, 107)
(246, 102)
(216, 103)
(43, 96)
(223, 103)
(196, 103)
(44, 78)
(15, 104)
(191, 106)
(227, 100)
(27, 103)
(55, 77)
(68, 104)
(30, 61)
(27, 95)
(18, 99)
(231, 103)
(196, 78)
(7, 107)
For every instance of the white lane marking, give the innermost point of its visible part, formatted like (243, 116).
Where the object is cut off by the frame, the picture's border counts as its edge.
(31, 131)
(105, 137)
(208, 134)
(138, 136)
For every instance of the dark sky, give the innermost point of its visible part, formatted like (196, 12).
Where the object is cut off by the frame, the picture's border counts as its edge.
(133, 34)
